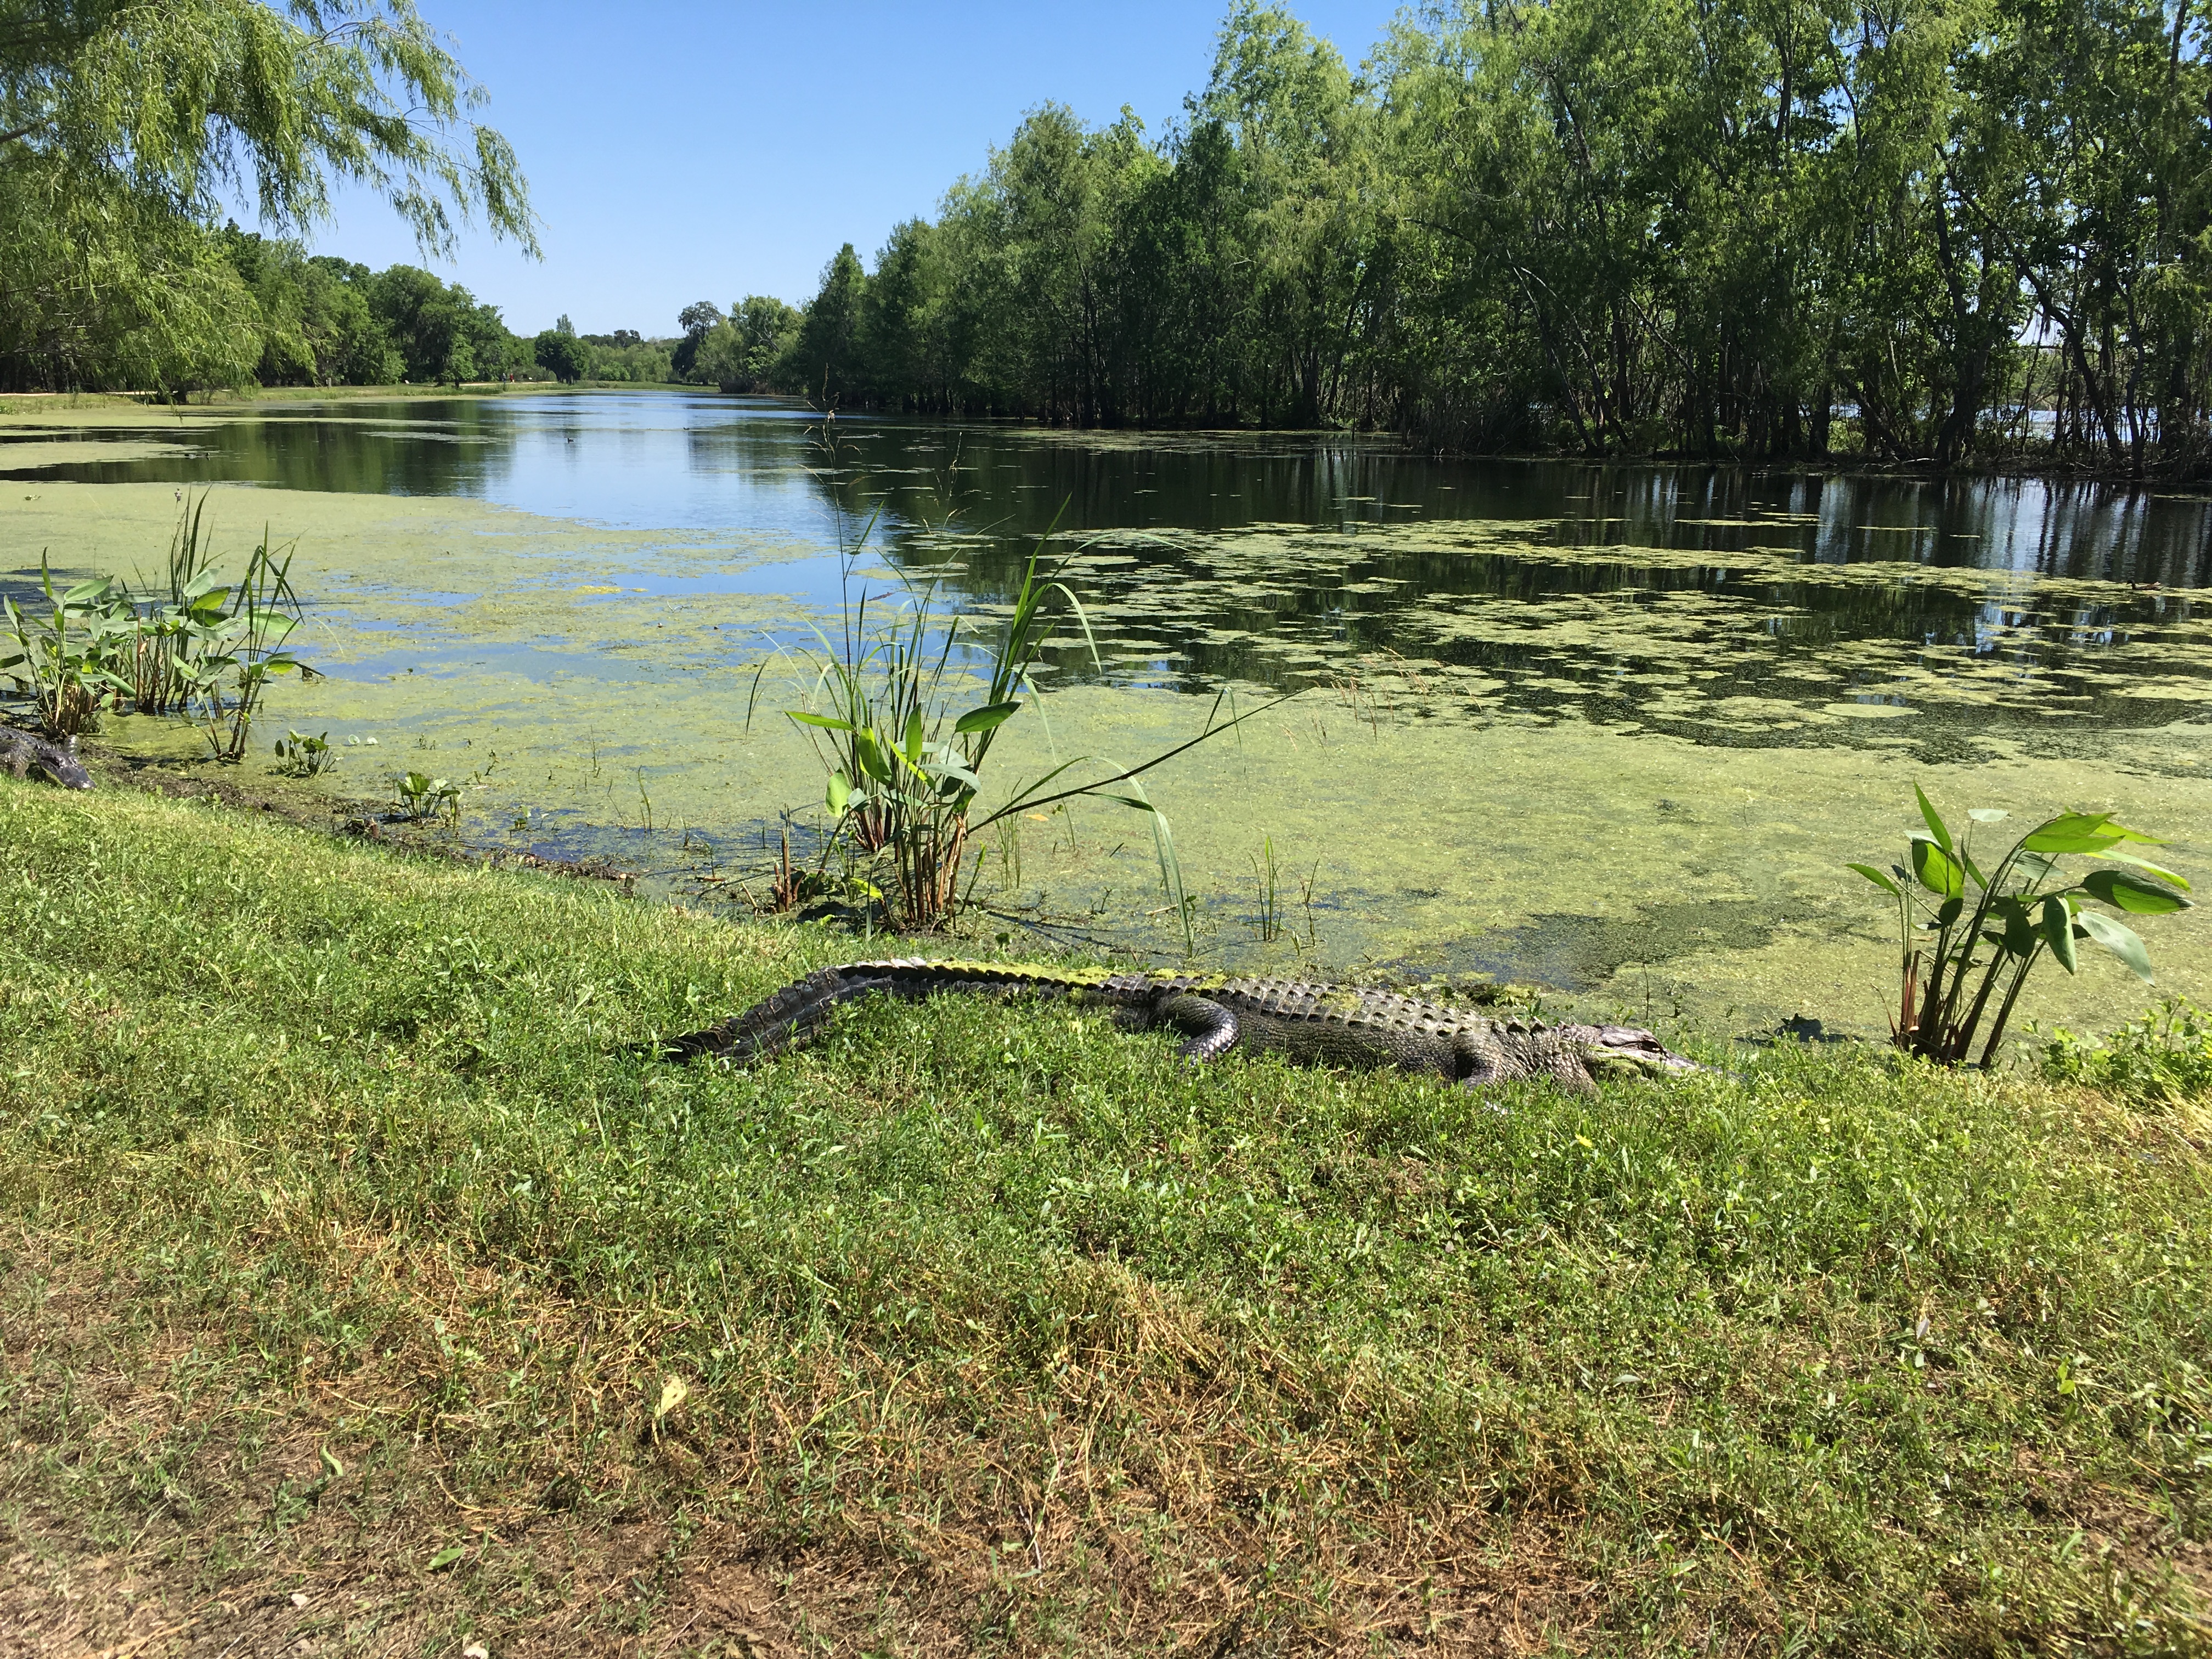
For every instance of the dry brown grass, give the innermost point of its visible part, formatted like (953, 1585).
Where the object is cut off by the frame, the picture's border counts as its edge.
(158, 1498)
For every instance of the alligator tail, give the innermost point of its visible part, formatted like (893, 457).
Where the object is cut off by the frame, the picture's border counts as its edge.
(796, 1015)
(741, 1037)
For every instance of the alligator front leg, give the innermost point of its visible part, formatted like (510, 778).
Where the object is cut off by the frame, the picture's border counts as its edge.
(1211, 1027)
(1482, 1059)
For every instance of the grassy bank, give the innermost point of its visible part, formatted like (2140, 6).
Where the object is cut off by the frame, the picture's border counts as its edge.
(359, 1291)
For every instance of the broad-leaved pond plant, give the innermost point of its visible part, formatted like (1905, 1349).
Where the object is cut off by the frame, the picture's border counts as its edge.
(65, 664)
(206, 649)
(304, 756)
(422, 797)
(1988, 929)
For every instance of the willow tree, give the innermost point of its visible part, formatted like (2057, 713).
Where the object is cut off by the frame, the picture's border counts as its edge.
(131, 130)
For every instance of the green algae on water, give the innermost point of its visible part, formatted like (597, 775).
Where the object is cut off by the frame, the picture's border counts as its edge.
(1635, 774)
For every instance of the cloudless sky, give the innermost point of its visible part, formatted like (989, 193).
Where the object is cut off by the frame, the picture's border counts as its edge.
(708, 151)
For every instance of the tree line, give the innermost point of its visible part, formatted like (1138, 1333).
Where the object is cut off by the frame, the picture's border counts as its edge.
(1934, 232)
(127, 129)
(296, 318)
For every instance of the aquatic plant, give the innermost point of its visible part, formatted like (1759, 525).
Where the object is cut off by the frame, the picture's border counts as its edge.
(244, 648)
(169, 637)
(208, 649)
(422, 797)
(2002, 923)
(304, 756)
(792, 886)
(905, 762)
(66, 665)
(1268, 875)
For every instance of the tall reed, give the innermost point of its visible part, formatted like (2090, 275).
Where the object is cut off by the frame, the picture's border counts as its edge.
(905, 759)
(171, 634)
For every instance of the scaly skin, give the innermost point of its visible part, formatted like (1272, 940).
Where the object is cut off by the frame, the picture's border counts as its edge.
(1314, 1024)
(23, 752)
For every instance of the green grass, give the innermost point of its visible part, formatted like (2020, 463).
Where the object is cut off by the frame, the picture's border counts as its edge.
(1001, 1331)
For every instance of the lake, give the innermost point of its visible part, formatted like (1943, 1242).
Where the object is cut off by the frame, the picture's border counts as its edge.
(1613, 730)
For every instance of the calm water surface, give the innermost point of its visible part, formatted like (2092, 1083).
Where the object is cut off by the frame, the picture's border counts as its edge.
(1584, 581)
(670, 460)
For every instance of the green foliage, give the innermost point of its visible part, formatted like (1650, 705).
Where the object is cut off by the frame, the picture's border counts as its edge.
(626, 355)
(208, 649)
(2002, 923)
(304, 756)
(125, 129)
(824, 357)
(171, 634)
(323, 321)
(743, 352)
(238, 651)
(102, 642)
(318, 324)
(1613, 226)
(697, 320)
(561, 352)
(67, 664)
(905, 761)
(1834, 1352)
(438, 331)
(623, 355)
(2163, 1059)
(421, 797)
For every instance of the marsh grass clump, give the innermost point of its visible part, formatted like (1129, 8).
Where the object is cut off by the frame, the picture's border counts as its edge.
(2165, 1058)
(905, 759)
(240, 651)
(1268, 878)
(1004, 1329)
(171, 634)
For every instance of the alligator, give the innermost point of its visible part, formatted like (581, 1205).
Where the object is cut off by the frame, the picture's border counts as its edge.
(1314, 1024)
(23, 752)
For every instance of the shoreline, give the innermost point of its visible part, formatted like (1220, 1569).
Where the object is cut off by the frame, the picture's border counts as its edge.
(36, 408)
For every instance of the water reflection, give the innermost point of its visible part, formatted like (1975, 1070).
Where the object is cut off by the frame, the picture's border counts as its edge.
(677, 460)
(1522, 645)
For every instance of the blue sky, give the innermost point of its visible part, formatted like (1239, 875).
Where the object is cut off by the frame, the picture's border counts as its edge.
(686, 152)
